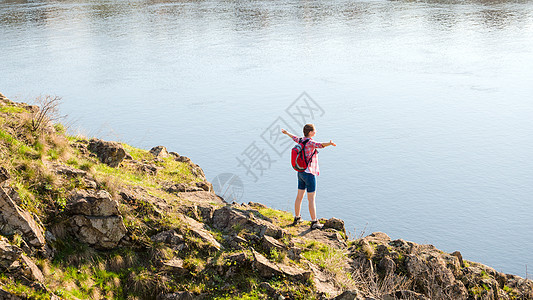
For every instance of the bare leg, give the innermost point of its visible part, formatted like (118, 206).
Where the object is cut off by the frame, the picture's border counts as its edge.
(312, 208)
(298, 202)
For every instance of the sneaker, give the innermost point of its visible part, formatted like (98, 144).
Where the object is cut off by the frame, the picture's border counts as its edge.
(297, 220)
(316, 225)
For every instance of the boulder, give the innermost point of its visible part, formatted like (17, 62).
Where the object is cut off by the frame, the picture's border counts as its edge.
(270, 243)
(232, 220)
(324, 281)
(180, 158)
(236, 242)
(68, 171)
(14, 219)
(239, 258)
(336, 224)
(175, 266)
(198, 229)
(195, 169)
(182, 187)
(329, 237)
(109, 153)
(268, 269)
(97, 203)
(202, 197)
(377, 238)
(99, 232)
(159, 152)
(138, 197)
(150, 169)
(169, 237)
(13, 261)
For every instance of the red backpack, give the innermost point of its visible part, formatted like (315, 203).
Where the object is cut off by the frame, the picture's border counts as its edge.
(298, 160)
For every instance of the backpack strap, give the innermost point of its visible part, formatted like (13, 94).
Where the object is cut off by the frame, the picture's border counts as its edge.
(303, 150)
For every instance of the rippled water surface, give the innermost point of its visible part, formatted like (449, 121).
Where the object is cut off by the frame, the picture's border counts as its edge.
(429, 102)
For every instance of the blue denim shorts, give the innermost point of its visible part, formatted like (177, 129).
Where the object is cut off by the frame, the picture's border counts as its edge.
(306, 180)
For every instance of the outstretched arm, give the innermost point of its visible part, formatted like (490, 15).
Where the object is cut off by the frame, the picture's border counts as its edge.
(329, 144)
(287, 133)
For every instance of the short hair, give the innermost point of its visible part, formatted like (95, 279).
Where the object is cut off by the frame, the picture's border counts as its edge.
(308, 128)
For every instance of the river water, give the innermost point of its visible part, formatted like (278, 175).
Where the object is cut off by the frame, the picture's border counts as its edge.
(429, 102)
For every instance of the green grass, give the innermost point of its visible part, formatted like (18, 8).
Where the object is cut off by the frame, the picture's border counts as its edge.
(282, 217)
(323, 255)
(12, 109)
(19, 289)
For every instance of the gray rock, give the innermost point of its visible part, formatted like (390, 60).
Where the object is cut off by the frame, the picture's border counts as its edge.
(99, 232)
(147, 168)
(159, 152)
(239, 258)
(329, 237)
(198, 229)
(97, 203)
(268, 269)
(182, 187)
(377, 237)
(204, 185)
(236, 242)
(180, 158)
(270, 243)
(169, 237)
(232, 220)
(197, 171)
(68, 171)
(175, 266)
(13, 219)
(349, 295)
(459, 257)
(294, 253)
(336, 224)
(109, 153)
(16, 263)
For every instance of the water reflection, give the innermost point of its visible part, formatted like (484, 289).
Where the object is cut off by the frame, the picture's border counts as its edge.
(443, 14)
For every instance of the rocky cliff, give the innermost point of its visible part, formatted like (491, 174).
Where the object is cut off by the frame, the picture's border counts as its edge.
(90, 219)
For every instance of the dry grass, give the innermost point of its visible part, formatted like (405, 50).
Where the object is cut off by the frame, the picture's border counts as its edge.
(375, 286)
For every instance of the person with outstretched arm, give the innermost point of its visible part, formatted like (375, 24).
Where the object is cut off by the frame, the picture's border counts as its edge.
(307, 178)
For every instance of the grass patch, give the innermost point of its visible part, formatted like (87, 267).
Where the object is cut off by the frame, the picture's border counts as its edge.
(282, 217)
(12, 110)
(19, 289)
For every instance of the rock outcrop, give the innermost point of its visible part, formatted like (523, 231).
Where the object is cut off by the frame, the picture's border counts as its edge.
(13, 261)
(159, 152)
(230, 219)
(434, 274)
(14, 220)
(95, 218)
(109, 153)
(164, 234)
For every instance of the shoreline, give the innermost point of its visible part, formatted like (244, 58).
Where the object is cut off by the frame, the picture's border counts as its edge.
(147, 224)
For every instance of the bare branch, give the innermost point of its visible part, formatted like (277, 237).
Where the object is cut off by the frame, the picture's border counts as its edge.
(48, 112)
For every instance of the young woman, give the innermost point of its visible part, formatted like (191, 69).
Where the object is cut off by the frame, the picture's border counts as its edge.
(307, 179)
